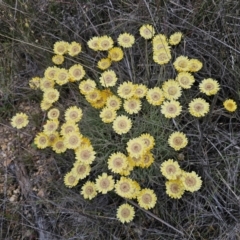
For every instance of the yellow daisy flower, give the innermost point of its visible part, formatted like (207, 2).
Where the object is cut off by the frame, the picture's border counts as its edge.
(171, 89)
(125, 187)
(85, 154)
(72, 140)
(100, 103)
(117, 162)
(46, 83)
(53, 137)
(58, 59)
(140, 91)
(170, 169)
(50, 72)
(69, 127)
(230, 105)
(198, 107)
(209, 86)
(147, 199)
(20, 120)
(76, 72)
(60, 47)
(58, 145)
(93, 96)
(62, 76)
(108, 115)
(148, 141)
(182, 64)
(41, 140)
(185, 79)
(177, 140)
(147, 160)
(195, 65)
(104, 183)
(147, 31)
(162, 57)
(132, 105)
(73, 114)
(104, 63)
(45, 105)
(105, 43)
(175, 38)
(85, 142)
(126, 40)
(34, 83)
(81, 170)
(122, 124)
(155, 96)
(54, 113)
(89, 190)
(126, 90)
(125, 213)
(115, 54)
(93, 43)
(160, 38)
(136, 147)
(160, 46)
(74, 49)
(70, 180)
(171, 109)
(191, 181)
(87, 86)
(50, 126)
(174, 189)
(108, 78)
(113, 102)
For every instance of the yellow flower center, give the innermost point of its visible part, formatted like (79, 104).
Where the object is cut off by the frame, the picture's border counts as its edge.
(174, 188)
(178, 141)
(147, 198)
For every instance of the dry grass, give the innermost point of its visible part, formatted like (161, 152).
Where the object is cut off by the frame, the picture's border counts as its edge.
(45, 208)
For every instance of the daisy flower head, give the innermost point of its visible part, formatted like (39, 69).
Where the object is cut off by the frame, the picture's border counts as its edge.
(126, 40)
(115, 54)
(126, 90)
(160, 38)
(148, 141)
(125, 187)
(209, 86)
(191, 181)
(132, 105)
(81, 170)
(125, 213)
(41, 140)
(105, 43)
(70, 179)
(100, 103)
(170, 169)
(104, 63)
(113, 102)
(72, 140)
(147, 160)
(108, 115)
(159, 43)
(108, 78)
(93, 96)
(104, 183)
(185, 79)
(34, 83)
(136, 147)
(230, 105)
(147, 198)
(198, 107)
(58, 59)
(182, 64)
(175, 38)
(147, 31)
(87, 86)
(171, 109)
(62, 76)
(53, 113)
(195, 65)
(74, 49)
(89, 190)
(140, 91)
(53, 137)
(93, 43)
(122, 124)
(20, 120)
(85, 154)
(174, 189)
(58, 145)
(50, 126)
(117, 162)
(155, 96)
(46, 83)
(60, 47)
(177, 140)
(76, 72)
(68, 127)
(45, 104)
(171, 89)
(162, 56)
(73, 114)
(50, 72)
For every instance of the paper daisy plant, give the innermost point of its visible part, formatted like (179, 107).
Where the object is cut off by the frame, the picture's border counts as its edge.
(20, 120)
(171, 109)
(147, 198)
(209, 86)
(191, 181)
(126, 40)
(104, 183)
(122, 124)
(170, 169)
(174, 189)
(73, 114)
(108, 78)
(89, 190)
(147, 31)
(155, 96)
(117, 162)
(230, 105)
(125, 213)
(198, 107)
(177, 140)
